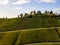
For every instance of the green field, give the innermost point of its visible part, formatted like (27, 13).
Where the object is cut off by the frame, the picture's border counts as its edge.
(8, 38)
(29, 36)
(27, 23)
(29, 31)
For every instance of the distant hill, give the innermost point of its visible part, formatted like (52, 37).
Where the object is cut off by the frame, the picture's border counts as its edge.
(28, 23)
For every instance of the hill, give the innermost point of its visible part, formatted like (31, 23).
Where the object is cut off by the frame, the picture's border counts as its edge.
(30, 29)
(29, 36)
(28, 23)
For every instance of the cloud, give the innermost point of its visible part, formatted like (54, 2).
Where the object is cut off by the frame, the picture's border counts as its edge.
(21, 2)
(18, 8)
(57, 10)
(31, 9)
(4, 2)
(46, 1)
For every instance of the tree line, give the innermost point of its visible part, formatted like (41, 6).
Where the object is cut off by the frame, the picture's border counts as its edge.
(38, 14)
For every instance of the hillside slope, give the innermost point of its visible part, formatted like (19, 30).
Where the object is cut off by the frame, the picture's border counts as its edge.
(27, 23)
(29, 36)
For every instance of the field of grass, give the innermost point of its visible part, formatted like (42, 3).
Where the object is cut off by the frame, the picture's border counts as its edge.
(8, 38)
(37, 36)
(58, 31)
(29, 36)
(27, 23)
(19, 31)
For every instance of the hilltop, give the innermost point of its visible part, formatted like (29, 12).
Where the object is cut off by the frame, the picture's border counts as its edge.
(30, 29)
(29, 21)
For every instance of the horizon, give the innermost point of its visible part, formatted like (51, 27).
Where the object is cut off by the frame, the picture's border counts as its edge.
(11, 8)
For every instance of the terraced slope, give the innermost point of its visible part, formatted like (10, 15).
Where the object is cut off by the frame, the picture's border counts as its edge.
(16, 31)
(27, 23)
(29, 36)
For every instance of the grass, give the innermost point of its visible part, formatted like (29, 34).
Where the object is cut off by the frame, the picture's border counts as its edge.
(37, 36)
(58, 31)
(28, 36)
(27, 23)
(44, 43)
(8, 38)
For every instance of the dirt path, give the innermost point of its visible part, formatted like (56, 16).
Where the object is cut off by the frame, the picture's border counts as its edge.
(44, 43)
(29, 29)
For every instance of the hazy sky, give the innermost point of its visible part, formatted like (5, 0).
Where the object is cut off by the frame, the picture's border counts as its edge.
(11, 8)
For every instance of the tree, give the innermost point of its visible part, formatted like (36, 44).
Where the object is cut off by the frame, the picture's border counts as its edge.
(30, 16)
(21, 15)
(46, 12)
(51, 12)
(26, 14)
(39, 12)
(32, 12)
(6, 17)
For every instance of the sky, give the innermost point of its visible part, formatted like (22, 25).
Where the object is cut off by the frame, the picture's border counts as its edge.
(11, 8)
